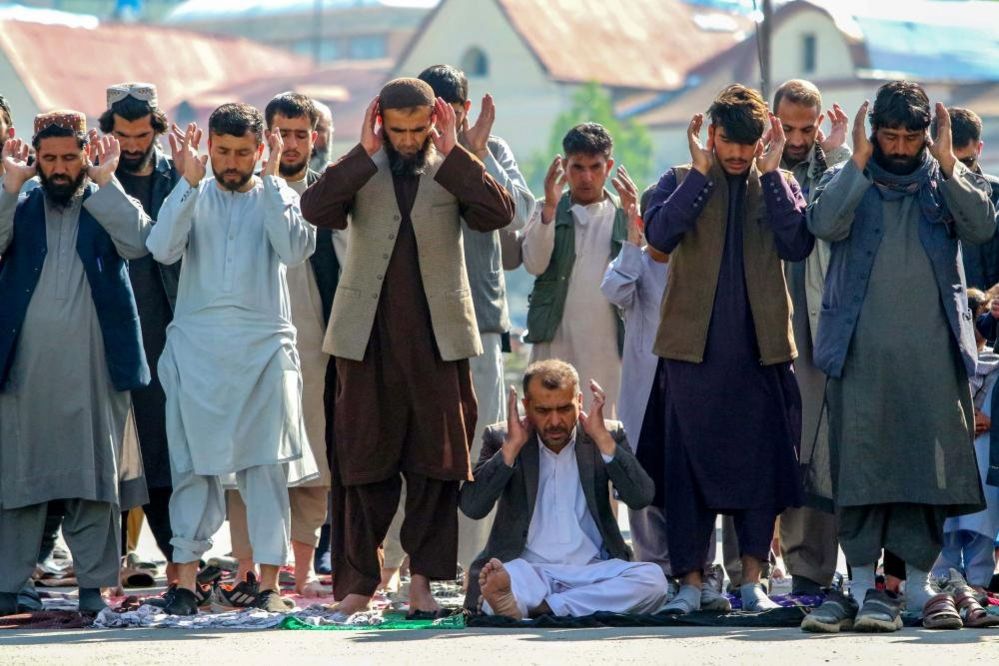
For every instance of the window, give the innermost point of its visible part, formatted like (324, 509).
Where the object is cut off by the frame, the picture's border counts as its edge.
(368, 47)
(475, 62)
(808, 53)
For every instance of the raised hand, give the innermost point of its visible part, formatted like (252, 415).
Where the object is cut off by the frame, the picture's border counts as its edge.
(176, 137)
(593, 421)
(16, 169)
(476, 137)
(275, 146)
(185, 152)
(445, 129)
(625, 187)
(518, 430)
(103, 153)
(942, 145)
(702, 157)
(371, 132)
(771, 149)
(838, 122)
(862, 147)
(554, 184)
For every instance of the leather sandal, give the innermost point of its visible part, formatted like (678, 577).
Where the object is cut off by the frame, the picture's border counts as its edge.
(941, 613)
(972, 613)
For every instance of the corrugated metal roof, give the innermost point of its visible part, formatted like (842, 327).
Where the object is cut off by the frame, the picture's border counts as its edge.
(647, 44)
(64, 67)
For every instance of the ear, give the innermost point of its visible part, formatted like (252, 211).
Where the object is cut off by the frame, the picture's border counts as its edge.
(468, 105)
(610, 164)
(315, 136)
(260, 148)
(10, 132)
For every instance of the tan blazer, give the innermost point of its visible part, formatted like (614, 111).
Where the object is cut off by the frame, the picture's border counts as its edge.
(372, 229)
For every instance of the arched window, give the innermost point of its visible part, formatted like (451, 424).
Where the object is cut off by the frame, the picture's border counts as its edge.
(475, 62)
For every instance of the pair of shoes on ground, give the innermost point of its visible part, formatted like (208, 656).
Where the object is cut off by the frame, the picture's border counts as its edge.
(880, 613)
(956, 606)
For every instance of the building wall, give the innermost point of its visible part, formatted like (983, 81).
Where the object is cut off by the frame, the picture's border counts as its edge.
(832, 56)
(527, 101)
(23, 107)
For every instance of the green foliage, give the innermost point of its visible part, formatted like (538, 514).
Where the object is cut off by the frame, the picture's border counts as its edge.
(592, 103)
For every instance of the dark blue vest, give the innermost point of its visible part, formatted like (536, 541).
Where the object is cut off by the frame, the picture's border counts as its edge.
(110, 288)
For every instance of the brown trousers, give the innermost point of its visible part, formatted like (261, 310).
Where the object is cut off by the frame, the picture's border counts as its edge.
(360, 520)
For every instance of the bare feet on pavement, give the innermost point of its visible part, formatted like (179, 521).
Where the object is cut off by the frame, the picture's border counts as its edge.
(495, 584)
(420, 597)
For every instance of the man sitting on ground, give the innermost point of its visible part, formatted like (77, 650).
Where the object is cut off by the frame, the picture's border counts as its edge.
(555, 547)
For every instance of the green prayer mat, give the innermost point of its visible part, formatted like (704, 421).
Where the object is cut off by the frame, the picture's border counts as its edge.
(392, 621)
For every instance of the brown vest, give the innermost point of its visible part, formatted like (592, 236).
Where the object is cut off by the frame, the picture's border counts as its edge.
(693, 278)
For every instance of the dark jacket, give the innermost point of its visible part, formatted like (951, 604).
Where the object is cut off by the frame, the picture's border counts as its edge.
(165, 177)
(981, 262)
(325, 265)
(110, 287)
(516, 489)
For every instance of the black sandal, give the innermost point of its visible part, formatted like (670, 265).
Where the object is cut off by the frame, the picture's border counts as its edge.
(438, 614)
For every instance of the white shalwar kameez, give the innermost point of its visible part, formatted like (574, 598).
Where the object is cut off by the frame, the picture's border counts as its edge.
(563, 562)
(230, 369)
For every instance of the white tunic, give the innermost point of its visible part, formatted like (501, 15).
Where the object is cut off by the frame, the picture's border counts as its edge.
(230, 369)
(587, 334)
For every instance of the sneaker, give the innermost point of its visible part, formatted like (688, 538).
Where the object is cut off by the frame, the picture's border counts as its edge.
(881, 612)
(837, 613)
(272, 602)
(712, 598)
(182, 602)
(203, 594)
(28, 599)
(241, 595)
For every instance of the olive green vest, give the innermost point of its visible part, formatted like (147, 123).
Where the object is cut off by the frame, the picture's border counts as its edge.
(547, 300)
(693, 278)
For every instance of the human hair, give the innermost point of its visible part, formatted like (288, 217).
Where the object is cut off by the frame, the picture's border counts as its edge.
(5, 116)
(291, 105)
(798, 91)
(901, 104)
(553, 374)
(55, 132)
(236, 119)
(449, 83)
(131, 109)
(965, 126)
(977, 300)
(741, 112)
(588, 139)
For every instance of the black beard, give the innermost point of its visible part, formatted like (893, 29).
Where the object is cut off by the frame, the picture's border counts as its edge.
(407, 166)
(135, 165)
(900, 165)
(244, 178)
(289, 170)
(61, 193)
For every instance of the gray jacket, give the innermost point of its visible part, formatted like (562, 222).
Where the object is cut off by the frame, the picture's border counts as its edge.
(483, 255)
(516, 489)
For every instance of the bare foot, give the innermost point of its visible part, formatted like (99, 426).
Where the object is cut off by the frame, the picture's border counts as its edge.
(352, 603)
(420, 597)
(313, 588)
(495, 583)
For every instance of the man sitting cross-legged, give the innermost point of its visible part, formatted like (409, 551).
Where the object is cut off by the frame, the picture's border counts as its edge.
(555, 547)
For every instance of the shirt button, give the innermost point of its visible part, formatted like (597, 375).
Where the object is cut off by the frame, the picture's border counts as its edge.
(391, 236)
(379, 277)
(384, 256)
(396, 218)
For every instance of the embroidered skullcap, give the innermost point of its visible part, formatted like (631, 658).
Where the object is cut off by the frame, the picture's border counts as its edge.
(406, 93)
(144, 92)
(71, 120)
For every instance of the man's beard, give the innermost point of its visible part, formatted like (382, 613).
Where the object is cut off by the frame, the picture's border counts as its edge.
(900, 165)
(244, 178)
(407, 166)
(61, 190)
(289, 170)
(136, 164)
(791, 160)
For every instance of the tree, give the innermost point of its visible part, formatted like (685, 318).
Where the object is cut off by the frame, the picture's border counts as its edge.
(592, 103)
